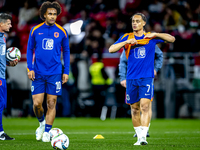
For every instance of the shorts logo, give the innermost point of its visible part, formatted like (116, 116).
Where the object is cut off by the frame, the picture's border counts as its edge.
(56, 34)
(127, 97)
(139, 52)
(0, 83)
(47, 44)
(32, 88)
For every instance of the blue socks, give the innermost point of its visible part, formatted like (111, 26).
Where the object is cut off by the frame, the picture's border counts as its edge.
(41, 118)
(47, 127)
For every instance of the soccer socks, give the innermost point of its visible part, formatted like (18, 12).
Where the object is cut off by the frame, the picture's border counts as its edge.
(41, 120)
(47, 127)
(144, 131)
(138, 132)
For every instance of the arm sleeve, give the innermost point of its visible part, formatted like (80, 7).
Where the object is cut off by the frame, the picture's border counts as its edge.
(30, 48)
(158, 58)
(66, 54)
(123, 66)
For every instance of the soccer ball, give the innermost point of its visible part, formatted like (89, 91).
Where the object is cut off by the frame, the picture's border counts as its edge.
(54, 132)
(60, 142)
(13, 53)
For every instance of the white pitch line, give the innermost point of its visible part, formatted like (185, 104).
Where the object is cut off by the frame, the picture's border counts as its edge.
(173, 132)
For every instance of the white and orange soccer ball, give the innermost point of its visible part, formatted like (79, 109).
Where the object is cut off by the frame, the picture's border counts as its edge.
(13, 53)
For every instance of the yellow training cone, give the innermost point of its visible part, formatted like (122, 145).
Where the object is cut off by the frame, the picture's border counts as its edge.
(98, 136)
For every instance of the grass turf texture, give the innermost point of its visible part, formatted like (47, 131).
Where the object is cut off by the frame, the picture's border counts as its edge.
(164, 134)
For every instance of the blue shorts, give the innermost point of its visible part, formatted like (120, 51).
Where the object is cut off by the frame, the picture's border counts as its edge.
(50, 84)
(139, 88)
(3, 94)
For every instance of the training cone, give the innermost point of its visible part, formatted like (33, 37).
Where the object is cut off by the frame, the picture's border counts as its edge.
(98, 136)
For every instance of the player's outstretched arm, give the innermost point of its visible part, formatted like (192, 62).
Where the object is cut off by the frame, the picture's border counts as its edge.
(164, 36)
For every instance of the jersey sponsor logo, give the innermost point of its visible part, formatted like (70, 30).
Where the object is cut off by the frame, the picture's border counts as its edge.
(47, 44)
(40, 33)
(140, 52)
(3, 47)
(56, 34)
(127, 97)
(32, 88)
(0, 83)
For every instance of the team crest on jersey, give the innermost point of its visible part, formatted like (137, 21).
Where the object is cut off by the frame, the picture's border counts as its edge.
(140, 52)
(127, 97)
(56, 34)
(0, 83)
(47, 44)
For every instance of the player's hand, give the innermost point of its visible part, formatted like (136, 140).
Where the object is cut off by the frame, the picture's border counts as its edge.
(65, 78)
(13, 63)
(155, 73)
(132, 41)
(31, 75)
(123, 83)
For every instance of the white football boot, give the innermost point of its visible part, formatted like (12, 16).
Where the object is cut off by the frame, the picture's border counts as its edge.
(46, 137)
(39, 132)
(137, 143)
(143, 141)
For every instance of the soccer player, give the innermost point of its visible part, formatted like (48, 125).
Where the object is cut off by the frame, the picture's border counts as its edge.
(140, 51)
(46, 40)
(123, 71)
(5, 25)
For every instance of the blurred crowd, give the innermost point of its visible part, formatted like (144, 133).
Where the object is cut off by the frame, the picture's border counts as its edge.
(104, 21)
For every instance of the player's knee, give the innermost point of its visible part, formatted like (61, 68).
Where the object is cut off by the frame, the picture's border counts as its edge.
(51, 104)
(135, 110)
(145, 108)
(37, 104)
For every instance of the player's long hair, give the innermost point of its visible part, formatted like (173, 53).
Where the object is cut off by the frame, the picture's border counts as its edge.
(47, 5)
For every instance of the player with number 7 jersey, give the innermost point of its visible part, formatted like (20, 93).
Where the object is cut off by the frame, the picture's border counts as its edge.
(140, 50)
(46, 40)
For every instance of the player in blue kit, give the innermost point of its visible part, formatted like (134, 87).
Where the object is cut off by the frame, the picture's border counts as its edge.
(123, 71)
(5, 25)
(46, 40)
(140, 51)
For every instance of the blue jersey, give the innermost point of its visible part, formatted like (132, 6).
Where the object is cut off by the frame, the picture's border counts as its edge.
(124, 60)
(141, 58)
(47, 42)
(2, 55)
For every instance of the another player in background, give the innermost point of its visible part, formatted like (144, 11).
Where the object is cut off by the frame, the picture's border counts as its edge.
(140, 51)
(47, 39)
(123, 71)
(5, 25)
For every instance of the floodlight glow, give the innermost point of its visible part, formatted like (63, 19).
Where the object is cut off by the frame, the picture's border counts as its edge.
(75, 27)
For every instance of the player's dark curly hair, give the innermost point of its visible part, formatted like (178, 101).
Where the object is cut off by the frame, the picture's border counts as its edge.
(47, 5)
(4, 17)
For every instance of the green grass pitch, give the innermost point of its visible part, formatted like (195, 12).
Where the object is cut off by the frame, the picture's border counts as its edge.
(164, 134)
